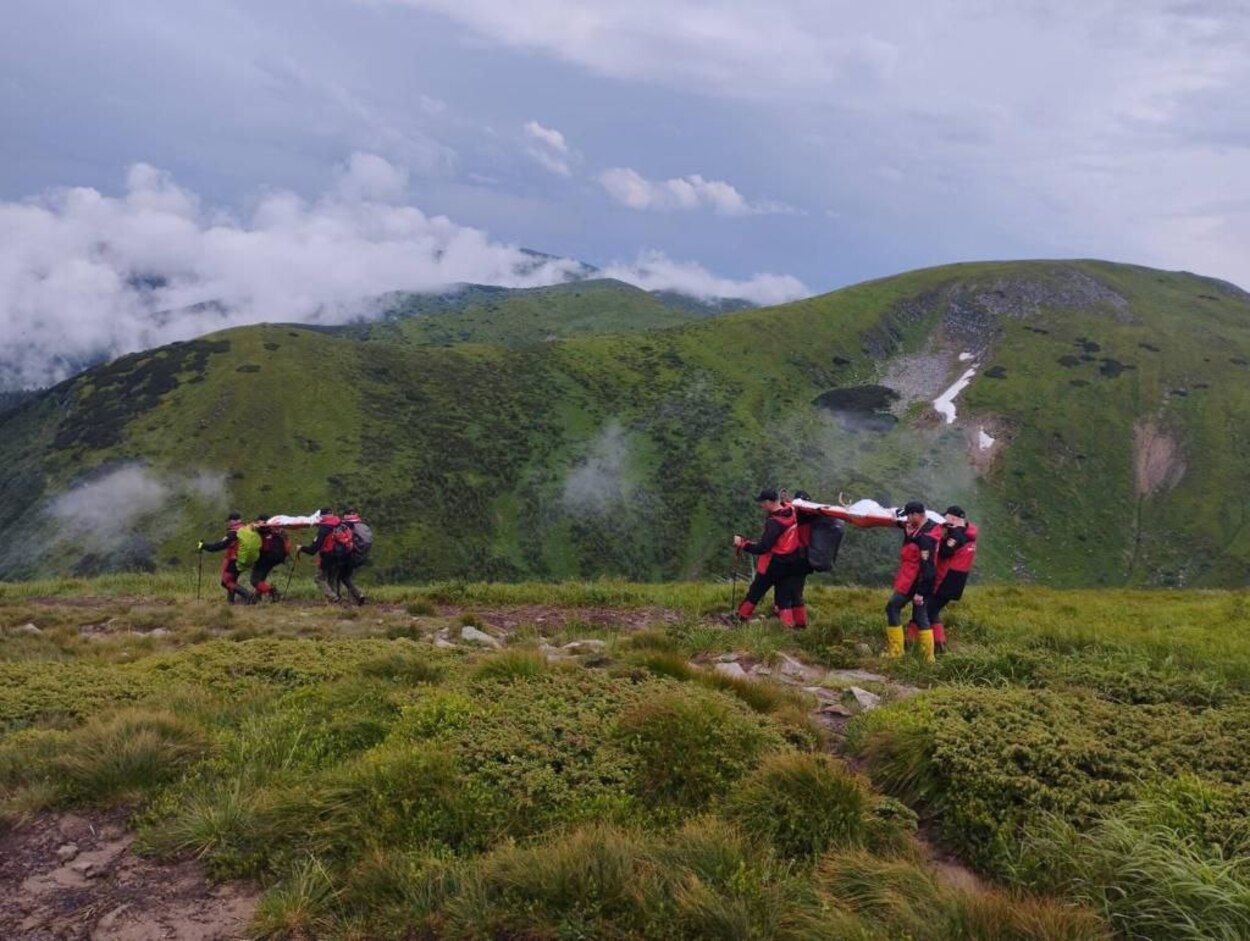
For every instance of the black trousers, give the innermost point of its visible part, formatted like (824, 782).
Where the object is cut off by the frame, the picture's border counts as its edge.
(894, 611)
(260, 571)
(787, 581)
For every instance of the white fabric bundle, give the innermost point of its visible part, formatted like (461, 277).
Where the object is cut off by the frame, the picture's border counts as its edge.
(296, 521)
(865, 510)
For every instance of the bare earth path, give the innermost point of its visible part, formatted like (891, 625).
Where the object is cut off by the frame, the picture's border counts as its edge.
(65, 876)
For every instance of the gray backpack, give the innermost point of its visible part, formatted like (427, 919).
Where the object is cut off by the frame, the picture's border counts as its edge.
(362, 542)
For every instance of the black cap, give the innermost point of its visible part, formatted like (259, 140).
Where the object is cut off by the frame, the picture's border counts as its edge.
(913, 506)
(802, 495)
(234, 516)
(766, 495)
(326, 510)
(956, 511)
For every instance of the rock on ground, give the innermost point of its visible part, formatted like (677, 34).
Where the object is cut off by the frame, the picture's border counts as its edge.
(474, 636)
(731, 669)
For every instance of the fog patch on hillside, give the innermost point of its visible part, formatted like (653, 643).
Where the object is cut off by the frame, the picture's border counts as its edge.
(599, 482)
(114, 520)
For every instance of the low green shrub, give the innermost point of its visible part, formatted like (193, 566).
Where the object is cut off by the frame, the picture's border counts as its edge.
(407, 667)
(984, 763)
(760, 695)
(663, 663)
(803, 804)
(689, 746)
(587, 884)
(509, 665)
(904, 900)
(120, 756)
(1148, 878)
(301, 906)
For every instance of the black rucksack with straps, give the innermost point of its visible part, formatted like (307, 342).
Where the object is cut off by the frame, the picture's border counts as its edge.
(826, 539)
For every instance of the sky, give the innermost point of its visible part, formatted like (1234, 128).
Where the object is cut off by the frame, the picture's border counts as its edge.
(288, 158)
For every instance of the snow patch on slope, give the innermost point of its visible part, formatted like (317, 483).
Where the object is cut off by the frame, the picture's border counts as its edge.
(944, 404)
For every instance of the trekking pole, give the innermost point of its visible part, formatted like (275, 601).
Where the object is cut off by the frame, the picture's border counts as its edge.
(290, 572)
(199, 573)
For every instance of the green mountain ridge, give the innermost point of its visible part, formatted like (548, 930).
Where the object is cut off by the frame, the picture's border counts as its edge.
(482, 447)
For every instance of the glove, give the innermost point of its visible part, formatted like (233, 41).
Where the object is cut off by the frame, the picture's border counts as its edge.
(199, 546)
(739, 542)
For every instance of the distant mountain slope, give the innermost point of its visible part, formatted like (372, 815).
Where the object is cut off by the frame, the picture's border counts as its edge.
(1101, 440)
(517, 317)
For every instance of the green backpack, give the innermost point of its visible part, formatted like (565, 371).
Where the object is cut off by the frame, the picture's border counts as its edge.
(249, 547)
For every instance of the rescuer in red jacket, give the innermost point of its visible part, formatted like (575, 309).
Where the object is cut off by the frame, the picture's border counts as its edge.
(230, 563)
(914, 579)
(779, 563)
(956, 553)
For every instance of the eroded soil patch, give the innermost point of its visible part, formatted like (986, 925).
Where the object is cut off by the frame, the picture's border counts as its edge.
(65, 876)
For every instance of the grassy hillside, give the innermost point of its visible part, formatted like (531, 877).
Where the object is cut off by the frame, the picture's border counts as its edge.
(1117, 398)
(1080, 750)
(520, 317)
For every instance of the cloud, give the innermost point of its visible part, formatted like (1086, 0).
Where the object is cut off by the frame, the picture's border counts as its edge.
(630, 188)
(87, 276)
(655, 271)
(118, 515)
(548, 136)
(1040, 128)
(600, 482)
(548, 148)
(750, 49)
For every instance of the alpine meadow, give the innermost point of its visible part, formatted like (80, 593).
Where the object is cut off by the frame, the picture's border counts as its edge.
(588, 470)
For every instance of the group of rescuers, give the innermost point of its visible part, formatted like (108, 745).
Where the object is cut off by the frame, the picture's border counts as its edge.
(933, 565)
(340, 547)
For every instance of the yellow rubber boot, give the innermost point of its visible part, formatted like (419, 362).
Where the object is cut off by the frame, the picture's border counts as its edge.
(926, 644)
(894, 642)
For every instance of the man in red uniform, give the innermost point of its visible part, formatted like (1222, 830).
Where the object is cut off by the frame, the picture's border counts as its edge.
(322, 547)
(957, 552)
(230, 564)
(779, 563)
(914, 579)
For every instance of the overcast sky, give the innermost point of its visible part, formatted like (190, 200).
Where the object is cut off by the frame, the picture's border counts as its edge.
(766, 148)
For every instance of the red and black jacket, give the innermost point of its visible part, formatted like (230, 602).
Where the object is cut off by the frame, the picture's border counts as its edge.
(917, 559)
(229, 542)
(274, 545)
(780, 541)
(323, 541)
(955, 557)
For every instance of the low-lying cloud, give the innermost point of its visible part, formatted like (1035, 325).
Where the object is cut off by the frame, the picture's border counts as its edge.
(600, 482)
(85, 276)
(118, 515)
(655, 271)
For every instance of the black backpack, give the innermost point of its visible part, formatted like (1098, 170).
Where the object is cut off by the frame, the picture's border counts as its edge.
(826, 539)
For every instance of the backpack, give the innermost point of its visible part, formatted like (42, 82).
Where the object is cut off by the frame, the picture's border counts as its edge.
(276, 546)
(362, 542)
(249, 547)
(341, 541)
(826, 539)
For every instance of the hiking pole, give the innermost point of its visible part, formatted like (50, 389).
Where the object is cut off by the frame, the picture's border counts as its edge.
(199, 573)
(290, 572)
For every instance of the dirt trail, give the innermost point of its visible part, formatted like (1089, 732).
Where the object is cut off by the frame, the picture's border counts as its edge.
(65, 876)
